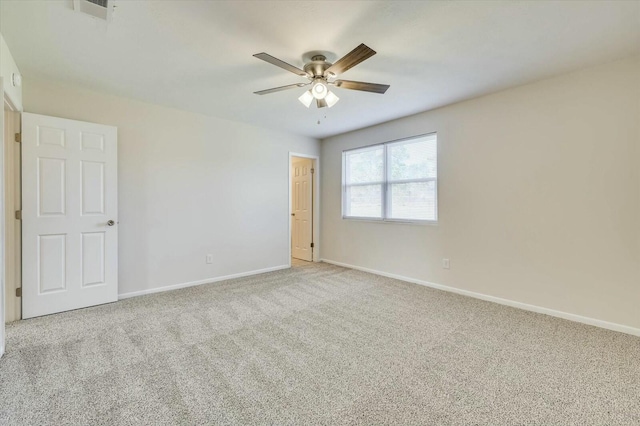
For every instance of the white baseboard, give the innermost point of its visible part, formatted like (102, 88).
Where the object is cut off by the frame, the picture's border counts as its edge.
(539, 309)
(199, 282)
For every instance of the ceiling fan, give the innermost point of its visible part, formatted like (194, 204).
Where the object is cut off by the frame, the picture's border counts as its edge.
(322, 74)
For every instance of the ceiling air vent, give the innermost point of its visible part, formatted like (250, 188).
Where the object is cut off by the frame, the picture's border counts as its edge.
(101, 9)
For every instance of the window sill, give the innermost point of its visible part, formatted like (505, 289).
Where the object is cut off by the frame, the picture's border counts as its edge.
(392, 221)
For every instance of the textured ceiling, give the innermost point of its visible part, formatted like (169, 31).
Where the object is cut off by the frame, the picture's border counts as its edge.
(197, 55)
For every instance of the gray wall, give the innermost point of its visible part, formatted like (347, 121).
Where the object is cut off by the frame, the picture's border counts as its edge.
(539, 196)
(188, 185)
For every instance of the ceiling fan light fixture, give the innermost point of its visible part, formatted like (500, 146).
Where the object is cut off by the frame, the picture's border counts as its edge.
(320, 74)
(319, 89)
(306, 98)
(331, 99)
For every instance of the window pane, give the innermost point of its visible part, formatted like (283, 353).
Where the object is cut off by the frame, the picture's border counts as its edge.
(415, 159)
(416, 200)
(363, 201)
(364, 165)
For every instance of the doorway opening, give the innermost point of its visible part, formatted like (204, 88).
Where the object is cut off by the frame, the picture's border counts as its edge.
(303, 208)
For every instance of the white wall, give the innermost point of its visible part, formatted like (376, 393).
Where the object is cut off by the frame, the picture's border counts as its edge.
(188, 185)
(539, 196)
(8, 67)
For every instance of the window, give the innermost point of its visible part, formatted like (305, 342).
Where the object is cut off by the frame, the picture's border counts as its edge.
(394, 181)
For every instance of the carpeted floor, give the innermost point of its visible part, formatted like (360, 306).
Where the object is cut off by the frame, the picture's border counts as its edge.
(316, 344)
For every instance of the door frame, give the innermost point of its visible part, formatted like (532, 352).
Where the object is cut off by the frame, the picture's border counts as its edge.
(2, 313)
(9, 105)
(12, 198)
(315, 213)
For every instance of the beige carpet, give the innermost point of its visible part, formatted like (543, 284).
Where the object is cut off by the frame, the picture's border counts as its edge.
(316, 344)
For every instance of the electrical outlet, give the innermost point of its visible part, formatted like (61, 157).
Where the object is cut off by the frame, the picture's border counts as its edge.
(445, 263)
(209, 258)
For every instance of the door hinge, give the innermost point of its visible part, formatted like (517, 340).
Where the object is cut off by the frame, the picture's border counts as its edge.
(311, 245)
(313, 170)
(18, 137)
(19, 292)
(19, 214)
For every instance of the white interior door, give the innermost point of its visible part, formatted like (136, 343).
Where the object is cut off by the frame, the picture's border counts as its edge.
(301, 202)
(69, 215)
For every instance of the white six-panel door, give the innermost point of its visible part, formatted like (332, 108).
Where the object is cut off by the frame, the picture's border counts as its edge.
(69, 215)
(301, 200)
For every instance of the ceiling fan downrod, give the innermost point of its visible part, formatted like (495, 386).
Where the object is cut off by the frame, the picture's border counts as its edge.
(317, 67)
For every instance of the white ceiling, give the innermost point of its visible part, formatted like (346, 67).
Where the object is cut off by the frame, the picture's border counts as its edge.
(197, 55)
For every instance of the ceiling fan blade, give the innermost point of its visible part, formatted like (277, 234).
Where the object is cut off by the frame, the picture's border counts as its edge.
(350, 60)
(282, 64)
(321, 103)
(361, 85)
(278, 89)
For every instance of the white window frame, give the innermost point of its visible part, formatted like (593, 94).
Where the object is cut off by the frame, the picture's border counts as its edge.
(386, 202)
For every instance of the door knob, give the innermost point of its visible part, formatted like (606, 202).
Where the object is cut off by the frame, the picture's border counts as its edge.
(293, 214)
(111, 223)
